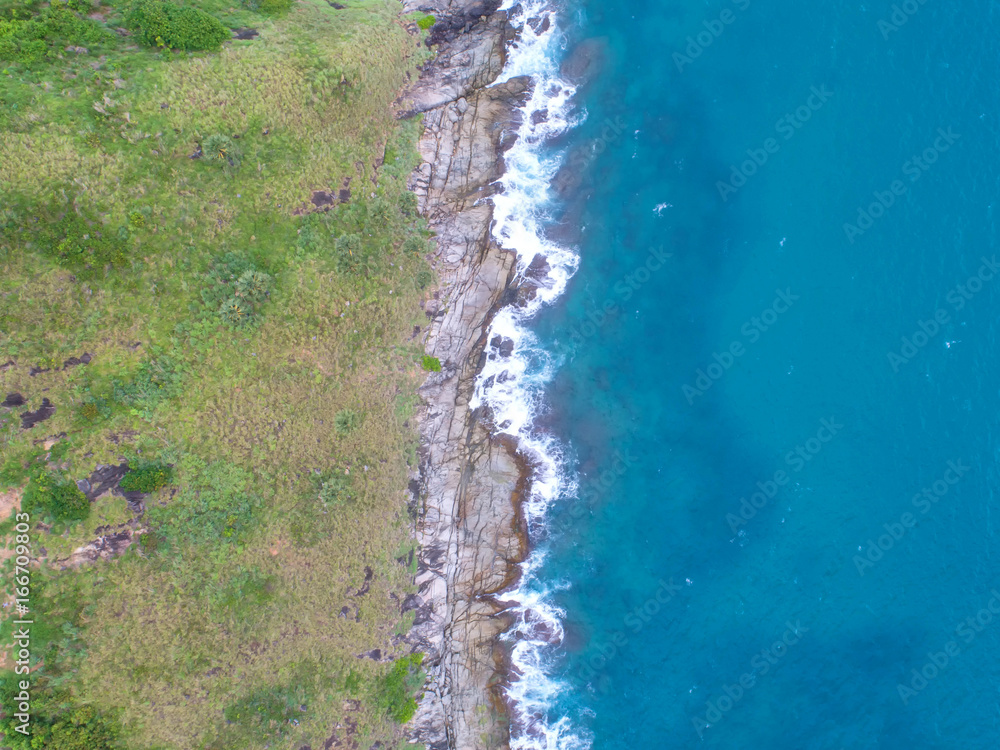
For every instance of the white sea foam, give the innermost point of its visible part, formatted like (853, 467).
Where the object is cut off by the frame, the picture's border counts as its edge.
(511, 386)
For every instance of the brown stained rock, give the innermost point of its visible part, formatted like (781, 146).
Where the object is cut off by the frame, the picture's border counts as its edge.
(104, 547)
(468, 526)
(471, 54)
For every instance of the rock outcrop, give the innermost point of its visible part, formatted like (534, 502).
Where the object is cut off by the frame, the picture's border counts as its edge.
(468, 527)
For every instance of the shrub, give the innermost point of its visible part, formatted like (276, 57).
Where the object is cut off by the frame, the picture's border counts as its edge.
(222, 150)
(163, 24)
(395, 693)
(346, 421)
(79, 239)
(426, 22)
(336, 490)
(52, 495)
(80, 728)
(269, 7)
(431, 364)
(146, 478)
(348, 252)
(154, 381)
(26, 37)
(237, 289)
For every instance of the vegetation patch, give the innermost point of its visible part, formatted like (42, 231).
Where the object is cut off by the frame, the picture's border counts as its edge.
(252, 362)
(159, 23)
(52, 496)
(396, 693)
(146, 478)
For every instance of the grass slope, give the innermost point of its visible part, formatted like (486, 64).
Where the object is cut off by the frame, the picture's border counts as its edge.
(266, 413)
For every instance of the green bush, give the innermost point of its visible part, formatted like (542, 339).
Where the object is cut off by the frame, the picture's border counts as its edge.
(163, 24)
(51, 495)
(26, 37)
(146, 478)
(222, 150)
(269, 7)
(77, 238)
(346, 421)
(431, 364)
(426, 22)
(237, 289)
(80, 728)
(215, 505)
(395, 693)
(336, 490)
(154, 382)
(349, 253)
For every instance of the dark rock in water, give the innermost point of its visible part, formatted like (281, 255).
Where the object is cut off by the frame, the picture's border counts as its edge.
(30, 418)
(13, 399)
(503, 377)
(496, 341)
(538, 268)
(245, 33)
(506, 347)
(584, 61)
(539, 115)
(539, 25)
(83, 359)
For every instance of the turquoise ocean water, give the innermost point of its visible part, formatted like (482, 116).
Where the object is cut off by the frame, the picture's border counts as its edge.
(774, 381)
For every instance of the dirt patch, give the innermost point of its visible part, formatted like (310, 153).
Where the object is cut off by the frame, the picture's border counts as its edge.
(10, 502)
(245, 33)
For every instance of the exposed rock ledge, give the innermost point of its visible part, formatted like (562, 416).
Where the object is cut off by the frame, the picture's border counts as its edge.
(468, 526)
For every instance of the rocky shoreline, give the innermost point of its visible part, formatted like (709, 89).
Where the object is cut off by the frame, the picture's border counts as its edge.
(469, 529)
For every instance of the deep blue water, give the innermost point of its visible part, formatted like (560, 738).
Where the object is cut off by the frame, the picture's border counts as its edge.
(671, 596)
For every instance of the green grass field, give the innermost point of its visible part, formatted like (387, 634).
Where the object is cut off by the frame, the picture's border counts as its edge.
(251, 357)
